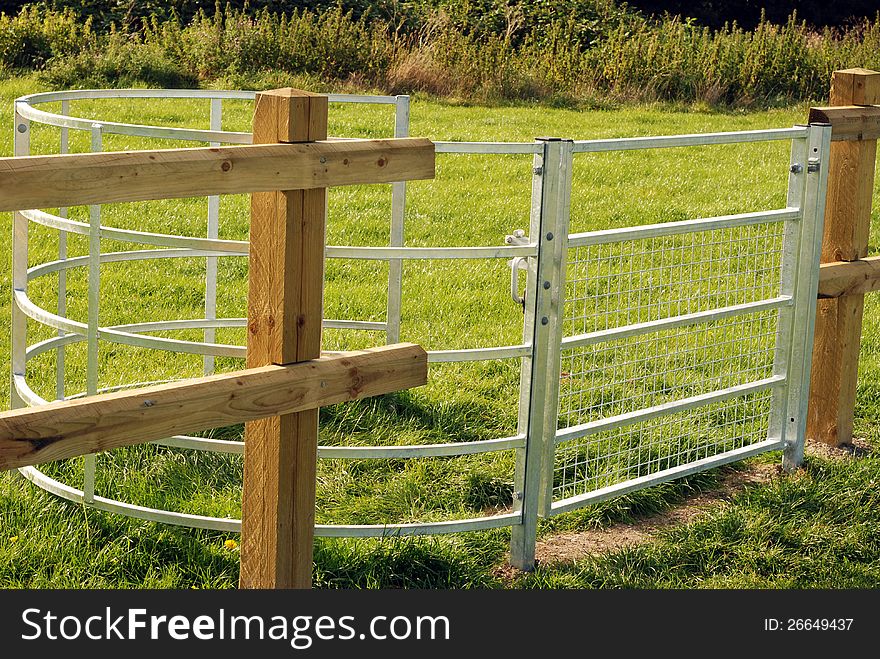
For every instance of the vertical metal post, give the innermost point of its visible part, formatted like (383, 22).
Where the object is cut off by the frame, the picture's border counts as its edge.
(553, 297)
(398, 205)
(213, 232)
(816, 171)
(62, 274)
(22, 147)
(522, 543)
(549, 229)
(93, 316)
(787, 283)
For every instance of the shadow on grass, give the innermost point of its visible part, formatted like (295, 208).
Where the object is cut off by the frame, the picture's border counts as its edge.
(408, 562)
(454, 421)
(63, 545)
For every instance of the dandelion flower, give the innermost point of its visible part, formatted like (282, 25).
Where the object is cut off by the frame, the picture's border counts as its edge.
(13, 539)
(230, 544)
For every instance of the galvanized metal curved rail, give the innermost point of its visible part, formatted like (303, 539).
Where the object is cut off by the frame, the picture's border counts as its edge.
(178, 246)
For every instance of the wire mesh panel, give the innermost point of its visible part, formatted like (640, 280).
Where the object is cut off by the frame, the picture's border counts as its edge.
(632, 284)
(618, 285)
(625, 453)
(618, 376)
(622, 283)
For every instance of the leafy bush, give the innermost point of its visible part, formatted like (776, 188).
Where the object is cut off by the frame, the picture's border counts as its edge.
(120, 61)
(32, 37)
(679, 60)
(332, 44)
(477, 49)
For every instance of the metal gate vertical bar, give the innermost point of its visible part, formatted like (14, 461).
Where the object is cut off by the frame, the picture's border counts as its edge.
(553, 286)
(22, 147)
(216, 123)
(547, 186)
(526, 476)
(787, 284)
(62, 274)
(93, 316)
(398, 211)
(816, 170)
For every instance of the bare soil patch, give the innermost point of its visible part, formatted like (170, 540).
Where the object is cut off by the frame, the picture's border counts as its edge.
(857, 449)
(571, 546)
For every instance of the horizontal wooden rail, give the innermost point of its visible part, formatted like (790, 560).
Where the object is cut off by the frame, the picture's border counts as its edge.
(101, 178)
(67, 429)
(849, 277)
(849, 122)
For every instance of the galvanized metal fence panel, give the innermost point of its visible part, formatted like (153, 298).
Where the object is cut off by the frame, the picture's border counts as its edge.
(211, 247)
(684, 344)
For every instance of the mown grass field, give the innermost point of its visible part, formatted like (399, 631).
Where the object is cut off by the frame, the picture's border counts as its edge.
(817, 528)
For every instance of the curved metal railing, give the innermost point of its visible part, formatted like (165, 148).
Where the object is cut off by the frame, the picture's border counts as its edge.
(211, 247)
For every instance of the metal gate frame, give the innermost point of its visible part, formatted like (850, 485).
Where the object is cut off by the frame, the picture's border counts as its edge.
(796, 303)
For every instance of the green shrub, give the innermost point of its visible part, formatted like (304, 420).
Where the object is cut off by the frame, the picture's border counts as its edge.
(120, 61)
(332, 44)
(477, 49)
(32, 37)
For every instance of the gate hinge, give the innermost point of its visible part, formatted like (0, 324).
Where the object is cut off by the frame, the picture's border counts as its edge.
(813, 165)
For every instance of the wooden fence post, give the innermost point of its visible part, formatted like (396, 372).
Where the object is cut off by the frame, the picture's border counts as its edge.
(847, 223)
(285, 295)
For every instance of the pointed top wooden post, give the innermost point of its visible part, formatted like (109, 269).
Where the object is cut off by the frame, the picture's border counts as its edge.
(845, 238)
(285, 295)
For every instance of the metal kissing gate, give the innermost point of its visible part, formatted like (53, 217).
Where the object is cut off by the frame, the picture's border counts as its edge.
(666, 349)
(648, 352)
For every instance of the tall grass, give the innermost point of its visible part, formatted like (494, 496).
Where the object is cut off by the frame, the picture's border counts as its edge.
(331, 44)
(497, 55)
(32, 37)
(679, 60)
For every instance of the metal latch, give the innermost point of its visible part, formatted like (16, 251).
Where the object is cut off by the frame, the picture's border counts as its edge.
(813, 165)
(516, 264)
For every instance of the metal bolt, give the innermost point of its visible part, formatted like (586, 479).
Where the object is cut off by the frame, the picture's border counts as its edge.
(549, 236)
(796, 168)
(518, 496)
(545, 320)
(323, 159)
(22, 128)
(546, 285)
(538, 171)
(813, 165)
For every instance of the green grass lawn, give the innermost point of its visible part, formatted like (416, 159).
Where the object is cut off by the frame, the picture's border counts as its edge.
(817, 528)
